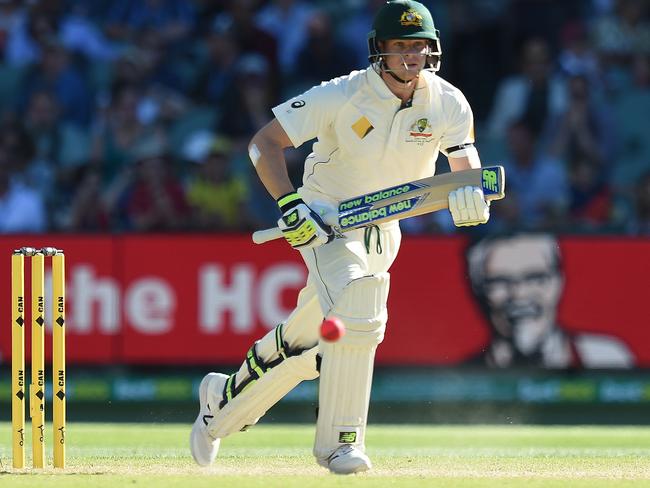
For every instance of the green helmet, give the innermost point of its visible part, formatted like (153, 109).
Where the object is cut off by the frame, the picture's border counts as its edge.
(404, 19)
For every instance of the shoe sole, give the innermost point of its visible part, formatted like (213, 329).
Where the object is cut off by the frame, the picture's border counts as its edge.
(358, 469)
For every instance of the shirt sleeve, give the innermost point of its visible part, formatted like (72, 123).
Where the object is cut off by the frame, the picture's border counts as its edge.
(458, 139)
(305, 116)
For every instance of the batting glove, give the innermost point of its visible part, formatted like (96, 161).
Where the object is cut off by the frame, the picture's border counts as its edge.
(468, 206)
(300, 225)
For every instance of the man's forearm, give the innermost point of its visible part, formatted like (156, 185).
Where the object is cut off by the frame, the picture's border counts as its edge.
(266, 151)
(272, 171)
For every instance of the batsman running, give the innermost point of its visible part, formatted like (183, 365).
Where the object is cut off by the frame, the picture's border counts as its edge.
(375, 128)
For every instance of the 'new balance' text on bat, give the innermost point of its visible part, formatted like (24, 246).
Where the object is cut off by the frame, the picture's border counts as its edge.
(407, 200)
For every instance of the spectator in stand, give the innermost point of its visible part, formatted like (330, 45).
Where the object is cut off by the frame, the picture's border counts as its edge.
(218, 72)
(357, 21)
(160, 96)
(56, 141)
(117, 137)
(585, 129)
(639, 224)
(538, 191)
(13, 19)
(525, 19)
(583, 137)
(578, 56)
(86, 211)
(630, 109)
(157, 69)
(241, 181)
(287, 21)
(238, 19)
(172, 20)
(128, 68)
(155, 200)
(590, 197)
(476, 43)
(217, 195)
(206, 11)
(624, 34)
(21, 208)
(248, 108)
(323, 57)
(80, 34)
(162, 88)
(19, 149)
(59, 148)
(31, 28)
(534, 95)
(56, 73)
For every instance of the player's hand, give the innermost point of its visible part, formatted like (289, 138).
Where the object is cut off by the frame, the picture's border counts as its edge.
(301, 226)
(468, 206)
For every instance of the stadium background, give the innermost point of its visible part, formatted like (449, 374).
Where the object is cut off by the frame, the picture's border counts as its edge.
(123, 134)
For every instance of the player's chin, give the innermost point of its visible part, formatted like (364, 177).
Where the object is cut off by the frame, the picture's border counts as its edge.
(408, 74)
(413, 70)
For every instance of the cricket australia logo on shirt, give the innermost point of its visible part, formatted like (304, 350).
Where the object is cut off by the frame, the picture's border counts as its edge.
(420, 132)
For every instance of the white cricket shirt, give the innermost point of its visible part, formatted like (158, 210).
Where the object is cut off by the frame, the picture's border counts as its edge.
(365, 141)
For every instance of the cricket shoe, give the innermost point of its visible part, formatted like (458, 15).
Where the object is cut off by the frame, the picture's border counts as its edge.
(204, 447)
(347, 460)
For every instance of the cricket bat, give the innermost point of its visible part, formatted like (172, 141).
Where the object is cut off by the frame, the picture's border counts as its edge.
(404, 201)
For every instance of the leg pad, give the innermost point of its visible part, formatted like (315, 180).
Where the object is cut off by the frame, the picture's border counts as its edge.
(347, 366)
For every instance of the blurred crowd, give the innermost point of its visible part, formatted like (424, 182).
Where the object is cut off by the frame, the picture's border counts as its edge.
(134, 115)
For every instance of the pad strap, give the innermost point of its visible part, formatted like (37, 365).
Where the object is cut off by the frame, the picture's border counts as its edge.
(246, 408)
(257, 367)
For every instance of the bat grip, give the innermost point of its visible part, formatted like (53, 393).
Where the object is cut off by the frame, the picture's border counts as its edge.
(266, 235)
(262, 236)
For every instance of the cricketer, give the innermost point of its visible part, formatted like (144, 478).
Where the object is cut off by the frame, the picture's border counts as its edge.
(379, 127)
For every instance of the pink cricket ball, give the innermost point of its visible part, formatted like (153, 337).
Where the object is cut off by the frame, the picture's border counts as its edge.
(332, 329)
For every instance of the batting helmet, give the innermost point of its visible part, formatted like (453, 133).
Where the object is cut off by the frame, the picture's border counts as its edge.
(404, 19)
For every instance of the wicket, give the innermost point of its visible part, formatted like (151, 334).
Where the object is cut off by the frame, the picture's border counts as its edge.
(37, 386)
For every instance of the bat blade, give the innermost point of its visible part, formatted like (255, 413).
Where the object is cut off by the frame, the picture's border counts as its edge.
(417, 197)
(407, 200)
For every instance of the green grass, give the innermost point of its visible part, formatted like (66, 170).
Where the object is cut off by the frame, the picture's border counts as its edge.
(117, 455)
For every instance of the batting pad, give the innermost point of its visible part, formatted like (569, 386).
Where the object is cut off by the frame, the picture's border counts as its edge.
(347, 365)
(248, 406)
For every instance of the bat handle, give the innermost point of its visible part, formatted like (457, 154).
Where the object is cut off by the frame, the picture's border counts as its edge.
(266, 235)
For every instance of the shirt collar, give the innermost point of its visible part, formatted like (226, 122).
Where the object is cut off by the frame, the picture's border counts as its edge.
(420, 95)
(378, 84)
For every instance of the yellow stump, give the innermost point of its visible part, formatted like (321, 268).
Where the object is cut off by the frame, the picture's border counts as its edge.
(18, 358)
(37, 387)
(58, 357)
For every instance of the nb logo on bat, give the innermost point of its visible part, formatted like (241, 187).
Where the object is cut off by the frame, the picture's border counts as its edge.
(490, 181)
